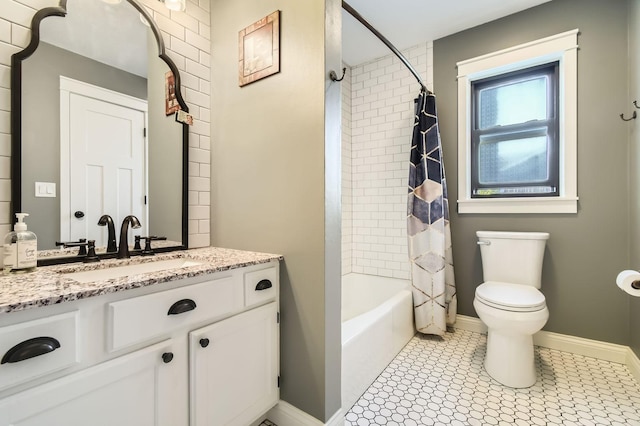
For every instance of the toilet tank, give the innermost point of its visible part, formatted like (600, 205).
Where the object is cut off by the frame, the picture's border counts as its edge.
(512, 257)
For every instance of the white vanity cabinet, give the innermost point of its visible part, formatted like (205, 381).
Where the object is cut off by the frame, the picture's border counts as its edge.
(134, 389)
(203, 351)
(247, 386)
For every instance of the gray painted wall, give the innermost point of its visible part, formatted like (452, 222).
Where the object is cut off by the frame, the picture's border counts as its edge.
(41, 126)
(588, 249)
(634, 163)
(269, 189)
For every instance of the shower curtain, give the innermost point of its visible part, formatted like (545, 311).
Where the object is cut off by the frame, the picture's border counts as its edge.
(429, 233)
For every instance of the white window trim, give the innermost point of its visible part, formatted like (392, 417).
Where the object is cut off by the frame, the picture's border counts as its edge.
(561, 47)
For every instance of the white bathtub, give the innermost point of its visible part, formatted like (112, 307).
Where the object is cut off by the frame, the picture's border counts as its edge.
(377, 321)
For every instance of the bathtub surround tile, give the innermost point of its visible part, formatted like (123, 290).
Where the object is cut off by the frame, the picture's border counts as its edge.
(377, 124)
(347, 197)
(442, 381)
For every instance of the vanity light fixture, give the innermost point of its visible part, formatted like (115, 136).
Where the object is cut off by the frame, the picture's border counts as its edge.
(177, 5)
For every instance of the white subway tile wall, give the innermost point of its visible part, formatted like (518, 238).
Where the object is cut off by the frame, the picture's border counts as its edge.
(379, 123)
(347, 207)
(187, 42)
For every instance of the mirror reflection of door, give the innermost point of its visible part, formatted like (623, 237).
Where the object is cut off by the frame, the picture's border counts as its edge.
(103, 143)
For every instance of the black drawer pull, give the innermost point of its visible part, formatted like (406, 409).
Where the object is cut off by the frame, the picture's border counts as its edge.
(30, 348)
(182, 306)
(263, 285)
(204, 342)
(167, 357)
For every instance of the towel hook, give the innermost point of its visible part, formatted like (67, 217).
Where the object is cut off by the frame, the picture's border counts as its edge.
(633, 116)
(334, 77)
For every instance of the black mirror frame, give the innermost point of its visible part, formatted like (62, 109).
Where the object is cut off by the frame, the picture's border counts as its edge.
(16, 121)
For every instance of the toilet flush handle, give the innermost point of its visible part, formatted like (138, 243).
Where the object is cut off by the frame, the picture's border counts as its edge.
(484, 243)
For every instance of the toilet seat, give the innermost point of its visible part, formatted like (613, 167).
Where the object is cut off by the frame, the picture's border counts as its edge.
(510, 297)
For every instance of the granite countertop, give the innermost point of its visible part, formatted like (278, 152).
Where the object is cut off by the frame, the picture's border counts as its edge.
(48, 286)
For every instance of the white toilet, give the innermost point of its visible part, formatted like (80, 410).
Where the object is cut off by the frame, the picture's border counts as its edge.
(510, 304)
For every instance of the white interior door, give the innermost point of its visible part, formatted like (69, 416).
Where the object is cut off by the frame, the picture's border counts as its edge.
(106, 166)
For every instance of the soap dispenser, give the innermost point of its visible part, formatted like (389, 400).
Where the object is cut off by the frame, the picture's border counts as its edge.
(20, 248)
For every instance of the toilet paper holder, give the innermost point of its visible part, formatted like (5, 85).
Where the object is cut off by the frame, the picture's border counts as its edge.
(629, 282)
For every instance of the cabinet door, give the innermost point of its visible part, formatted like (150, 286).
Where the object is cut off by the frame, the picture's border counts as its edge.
(135, 389)
(234, 368)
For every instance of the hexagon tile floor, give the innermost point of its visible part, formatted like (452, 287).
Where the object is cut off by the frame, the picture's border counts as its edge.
(441, 381)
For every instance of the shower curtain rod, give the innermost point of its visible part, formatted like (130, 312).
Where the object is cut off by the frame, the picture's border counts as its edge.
(382, 38)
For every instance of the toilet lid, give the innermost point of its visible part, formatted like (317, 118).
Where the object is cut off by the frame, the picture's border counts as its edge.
(510, 297)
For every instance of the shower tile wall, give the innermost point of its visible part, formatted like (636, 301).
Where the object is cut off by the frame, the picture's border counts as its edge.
(381, 121)
(187, 40)
(347, 204)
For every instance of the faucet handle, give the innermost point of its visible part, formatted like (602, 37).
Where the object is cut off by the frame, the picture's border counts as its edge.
(91, 256)
(82, 243)
(147, 244)
(137, 246)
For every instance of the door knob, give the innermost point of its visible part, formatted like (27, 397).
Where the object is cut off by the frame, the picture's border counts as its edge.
(79, 214)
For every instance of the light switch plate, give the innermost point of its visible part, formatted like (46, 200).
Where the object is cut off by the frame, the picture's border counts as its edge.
(46, 189)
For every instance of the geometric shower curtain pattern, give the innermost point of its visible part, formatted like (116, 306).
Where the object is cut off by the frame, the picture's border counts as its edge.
(428, 227)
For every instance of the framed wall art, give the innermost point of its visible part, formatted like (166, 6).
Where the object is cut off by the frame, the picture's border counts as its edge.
(259, 49)
(171, 104)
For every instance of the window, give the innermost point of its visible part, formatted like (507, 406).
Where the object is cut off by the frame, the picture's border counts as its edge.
(517, 146)
(514, 134)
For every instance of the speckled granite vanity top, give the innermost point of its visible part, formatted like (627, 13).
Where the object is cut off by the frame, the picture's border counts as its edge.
(48, 286)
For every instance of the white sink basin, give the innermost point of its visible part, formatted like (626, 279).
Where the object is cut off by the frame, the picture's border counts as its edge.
(126, 270)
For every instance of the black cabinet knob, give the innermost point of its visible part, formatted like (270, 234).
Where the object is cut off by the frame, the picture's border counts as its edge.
(79, 214)
(204, 342)
(167, 357)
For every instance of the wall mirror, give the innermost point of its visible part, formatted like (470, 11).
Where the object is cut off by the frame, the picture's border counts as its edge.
(94, 132)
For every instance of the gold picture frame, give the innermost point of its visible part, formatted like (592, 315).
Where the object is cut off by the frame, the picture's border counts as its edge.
(259, 49)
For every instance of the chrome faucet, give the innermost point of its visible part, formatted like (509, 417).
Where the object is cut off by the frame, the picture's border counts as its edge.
(123, 249)
(106, 220)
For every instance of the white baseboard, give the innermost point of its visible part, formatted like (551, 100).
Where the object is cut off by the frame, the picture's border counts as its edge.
(633, 362)
(338, 419)
(464, 322)
(578, 345)
(562, 342)
(285, 414)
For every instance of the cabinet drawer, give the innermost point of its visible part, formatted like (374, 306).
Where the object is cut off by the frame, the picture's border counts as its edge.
(260, 286)
(35, 348)
(138, 319)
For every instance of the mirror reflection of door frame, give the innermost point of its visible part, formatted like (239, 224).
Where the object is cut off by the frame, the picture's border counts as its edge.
(68, 87)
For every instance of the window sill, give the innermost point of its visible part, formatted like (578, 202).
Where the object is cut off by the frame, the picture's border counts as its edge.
(519, 205)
